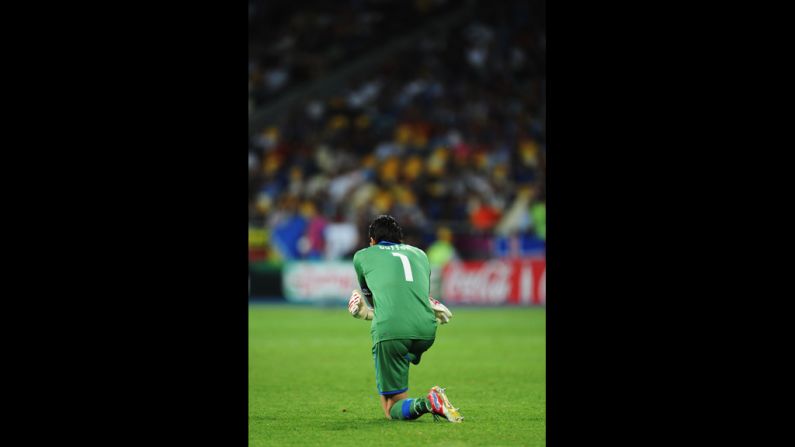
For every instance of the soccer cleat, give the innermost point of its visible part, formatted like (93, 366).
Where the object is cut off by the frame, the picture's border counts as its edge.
(441, 406)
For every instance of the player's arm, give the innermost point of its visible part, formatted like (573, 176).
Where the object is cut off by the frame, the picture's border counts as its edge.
(366, 293)
(357, 306)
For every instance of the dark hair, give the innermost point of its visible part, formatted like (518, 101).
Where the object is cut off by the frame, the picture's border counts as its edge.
(385, 228)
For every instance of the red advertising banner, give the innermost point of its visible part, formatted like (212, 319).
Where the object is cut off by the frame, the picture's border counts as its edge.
(518, 281)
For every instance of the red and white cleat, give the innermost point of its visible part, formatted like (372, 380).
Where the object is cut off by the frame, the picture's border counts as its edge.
(441, 406)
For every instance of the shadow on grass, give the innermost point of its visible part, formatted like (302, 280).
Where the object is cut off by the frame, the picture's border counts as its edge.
(359, 424)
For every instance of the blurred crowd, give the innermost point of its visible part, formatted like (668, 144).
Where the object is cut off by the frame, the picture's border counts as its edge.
(294, 42)
(447, 136)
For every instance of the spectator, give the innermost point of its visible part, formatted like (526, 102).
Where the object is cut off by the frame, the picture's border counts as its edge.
(440, 253)
(450, 137)
(539, 215)
(517, 219)
(483, 215)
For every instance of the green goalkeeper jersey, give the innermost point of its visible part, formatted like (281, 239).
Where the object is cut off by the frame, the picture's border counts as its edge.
(395, 278)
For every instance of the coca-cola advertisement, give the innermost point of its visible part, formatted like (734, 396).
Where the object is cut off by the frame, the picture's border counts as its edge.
(517, 281)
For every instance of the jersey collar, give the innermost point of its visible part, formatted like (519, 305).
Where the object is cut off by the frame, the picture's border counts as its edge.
(386, 243)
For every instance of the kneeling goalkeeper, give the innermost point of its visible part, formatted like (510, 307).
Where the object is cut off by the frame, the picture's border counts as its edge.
(395, 280)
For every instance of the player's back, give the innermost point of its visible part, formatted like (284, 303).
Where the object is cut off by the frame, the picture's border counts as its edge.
(398, 276)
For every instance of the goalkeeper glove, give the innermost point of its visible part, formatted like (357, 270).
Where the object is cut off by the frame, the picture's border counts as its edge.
(358, 308)
(443, 314)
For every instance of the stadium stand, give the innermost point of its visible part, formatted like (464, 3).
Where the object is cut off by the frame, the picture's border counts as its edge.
(431, 111)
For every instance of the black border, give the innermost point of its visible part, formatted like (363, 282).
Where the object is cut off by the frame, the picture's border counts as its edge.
(148, 274)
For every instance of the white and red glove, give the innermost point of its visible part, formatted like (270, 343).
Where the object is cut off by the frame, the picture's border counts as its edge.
(443, 314)
(358, 308)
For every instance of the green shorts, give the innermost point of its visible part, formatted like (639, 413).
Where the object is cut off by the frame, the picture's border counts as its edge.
(392, 358)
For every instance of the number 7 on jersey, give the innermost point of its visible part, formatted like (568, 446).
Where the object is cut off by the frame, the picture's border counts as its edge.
(406, 266)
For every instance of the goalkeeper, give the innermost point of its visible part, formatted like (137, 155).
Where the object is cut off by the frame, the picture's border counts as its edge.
(395, 280)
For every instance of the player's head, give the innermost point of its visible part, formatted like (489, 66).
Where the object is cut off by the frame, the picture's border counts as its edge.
(385, 228)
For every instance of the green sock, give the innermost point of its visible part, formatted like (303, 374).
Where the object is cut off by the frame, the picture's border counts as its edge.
(407, 409)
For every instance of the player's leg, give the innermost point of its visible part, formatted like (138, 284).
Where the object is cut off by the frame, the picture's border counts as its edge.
(437, 401)
(417, 348)
(400, 406)
(391, 371)
(410, 408)
(392, 359)
(388, 401)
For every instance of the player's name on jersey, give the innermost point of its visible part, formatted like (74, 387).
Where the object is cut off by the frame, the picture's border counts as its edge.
(397, 247)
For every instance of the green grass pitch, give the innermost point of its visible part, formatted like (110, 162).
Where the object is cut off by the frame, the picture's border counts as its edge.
(311, 379)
